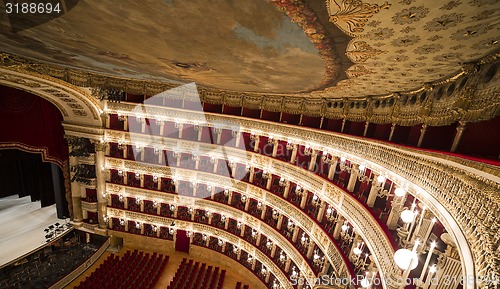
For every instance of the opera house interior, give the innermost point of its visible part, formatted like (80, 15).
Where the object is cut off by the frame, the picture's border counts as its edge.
(231, 144)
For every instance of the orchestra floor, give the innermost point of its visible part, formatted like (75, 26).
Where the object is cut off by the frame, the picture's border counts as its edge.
(234, 271)
(23, 223)
(22, 231)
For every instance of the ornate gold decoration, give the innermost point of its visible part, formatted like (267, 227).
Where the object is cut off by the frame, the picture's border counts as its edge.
(73, 102)
(314, 104)
(357, 71)
(362, 51)
(410, 15)
(352, 15)
(455, 187)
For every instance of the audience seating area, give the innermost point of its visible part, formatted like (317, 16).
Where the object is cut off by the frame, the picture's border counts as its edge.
(239, 285)
(193, 275)
(134, 270)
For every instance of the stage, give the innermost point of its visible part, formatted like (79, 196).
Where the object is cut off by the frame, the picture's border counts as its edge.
(22, 226)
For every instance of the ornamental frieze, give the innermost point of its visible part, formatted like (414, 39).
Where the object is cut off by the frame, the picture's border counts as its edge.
(352, 15)
(361, 51)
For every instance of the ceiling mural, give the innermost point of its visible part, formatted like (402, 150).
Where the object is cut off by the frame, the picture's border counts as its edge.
(226, 44)
(400, 45)
(310, 48)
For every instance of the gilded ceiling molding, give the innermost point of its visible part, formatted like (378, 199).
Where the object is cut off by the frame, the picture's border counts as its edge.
(360, 51)
(318, 104)
(351, 15)
(209, 230)
(78, 130)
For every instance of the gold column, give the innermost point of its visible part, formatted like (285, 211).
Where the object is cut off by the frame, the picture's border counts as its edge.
(458, 136)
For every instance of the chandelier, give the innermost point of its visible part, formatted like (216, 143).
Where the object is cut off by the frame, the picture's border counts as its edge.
(299, 191)
(330, 215)
(317, 259)
(316, 201)
(308, 150)
(304, 240)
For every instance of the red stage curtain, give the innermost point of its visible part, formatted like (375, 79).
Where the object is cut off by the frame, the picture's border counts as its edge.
(31, 123)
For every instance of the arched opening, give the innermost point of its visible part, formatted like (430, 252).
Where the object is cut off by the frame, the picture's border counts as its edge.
(33, 153)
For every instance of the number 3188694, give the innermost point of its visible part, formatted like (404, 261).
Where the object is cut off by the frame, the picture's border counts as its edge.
(32, 8)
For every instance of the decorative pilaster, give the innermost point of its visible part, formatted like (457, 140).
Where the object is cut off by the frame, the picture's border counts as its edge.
(280, 222)
(458, 136)
(274, 142)
(372, 196)
(295, 235)
(391, 134)
(321, 211)
(310, 250)
(263, 214)
(218, 132)
(286, 190)
(252, 174)
(338, 227)
(294, 154)
(76, 195)
(422, 135)
(255, 138)
(237, 136)
(333, 167)
(312, 163)
(100, 148)
(353, 178)
(179, 127)
(198, 128)
(273, 250)
(396, 209)
(287, 264)
(303, 200)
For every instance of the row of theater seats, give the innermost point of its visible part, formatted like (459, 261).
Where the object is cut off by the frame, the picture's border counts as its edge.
(239, 286)
(134, 270)
(194, 276)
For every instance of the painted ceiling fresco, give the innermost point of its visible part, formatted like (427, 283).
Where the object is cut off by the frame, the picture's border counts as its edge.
(228, 44)
(318, 48)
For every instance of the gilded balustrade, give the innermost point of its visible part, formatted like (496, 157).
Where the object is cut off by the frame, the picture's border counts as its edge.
(211, 231)
(441, 179)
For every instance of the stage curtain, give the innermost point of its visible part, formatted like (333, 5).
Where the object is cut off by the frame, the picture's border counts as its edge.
(25, 174)
(31, 123)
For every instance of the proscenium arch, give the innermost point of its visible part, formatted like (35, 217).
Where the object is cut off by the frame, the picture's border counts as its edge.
(76, 105)
(388, 159)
